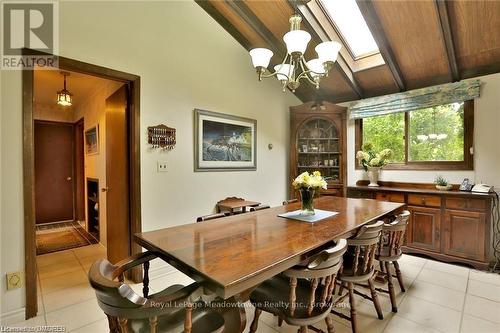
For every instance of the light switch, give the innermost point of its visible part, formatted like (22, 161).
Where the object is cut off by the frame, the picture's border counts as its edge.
(14, 280)
(162, 166)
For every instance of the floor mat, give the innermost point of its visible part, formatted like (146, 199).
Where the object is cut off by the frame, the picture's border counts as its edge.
(61, 236)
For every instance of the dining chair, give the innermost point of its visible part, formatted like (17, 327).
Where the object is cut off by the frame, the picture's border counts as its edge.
(389, 251)
(289, 201)
(175, 309)
(261, 207)
(358, 268)
(301, 295)
(210, 217)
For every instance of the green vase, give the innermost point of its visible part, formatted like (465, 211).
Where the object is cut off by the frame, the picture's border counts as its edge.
(307, 196)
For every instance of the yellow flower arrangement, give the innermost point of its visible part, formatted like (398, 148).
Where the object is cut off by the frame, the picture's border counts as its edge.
(309, 181)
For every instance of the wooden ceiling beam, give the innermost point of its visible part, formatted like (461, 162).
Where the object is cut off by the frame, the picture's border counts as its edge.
(224, 22)
(317, 30)
(372, 20)
(444, 22)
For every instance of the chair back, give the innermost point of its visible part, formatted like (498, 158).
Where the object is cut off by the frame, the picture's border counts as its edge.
(393, 235)
(210, 217)
(320, 271)
(286, 202)
(362, 249)
(261, 207)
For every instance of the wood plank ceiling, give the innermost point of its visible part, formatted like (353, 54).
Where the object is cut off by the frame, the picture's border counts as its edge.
(422, 42)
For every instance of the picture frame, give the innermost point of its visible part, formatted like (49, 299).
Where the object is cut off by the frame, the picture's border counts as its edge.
(92, 140)
(224, 142)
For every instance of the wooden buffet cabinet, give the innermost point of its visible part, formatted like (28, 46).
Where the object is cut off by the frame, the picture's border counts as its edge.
(318, 142)
(451, 226)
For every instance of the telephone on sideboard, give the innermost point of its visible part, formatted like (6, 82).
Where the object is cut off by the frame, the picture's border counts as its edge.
(482, 188)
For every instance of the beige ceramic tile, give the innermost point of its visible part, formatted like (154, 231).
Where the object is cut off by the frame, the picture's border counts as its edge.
(412, 260)
(76, 316)
(482, 308)
(100, 326)
(471, 324)
(447, 280)
(89, 251)
(485, 277)
(430, 315)
(63, 281)
(68, 296)
(447, 268)
(366, 317)
(399, 324)
(35, 321)
(436, 294)
(87, 262)
(52, 270)
(482, 289)
(55, 258)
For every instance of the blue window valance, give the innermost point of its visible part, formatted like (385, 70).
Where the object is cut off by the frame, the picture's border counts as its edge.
(415, 99)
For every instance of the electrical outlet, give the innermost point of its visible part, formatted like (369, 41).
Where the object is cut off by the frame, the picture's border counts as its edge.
(162, 166)
(14, 280)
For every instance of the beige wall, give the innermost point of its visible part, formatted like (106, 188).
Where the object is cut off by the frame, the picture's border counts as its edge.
(53, 112)
(185, 60)
(486, 147)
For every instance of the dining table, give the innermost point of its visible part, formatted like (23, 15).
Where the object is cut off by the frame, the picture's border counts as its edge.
(233, 254)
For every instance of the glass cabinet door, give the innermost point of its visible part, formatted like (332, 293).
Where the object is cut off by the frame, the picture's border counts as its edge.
(319, 148)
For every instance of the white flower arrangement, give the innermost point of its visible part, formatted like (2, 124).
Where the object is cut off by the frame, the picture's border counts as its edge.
(369, 158)
(309, 181)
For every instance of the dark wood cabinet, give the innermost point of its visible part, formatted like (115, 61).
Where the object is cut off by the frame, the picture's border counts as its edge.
(464, 234)
(424, 228)
(317, 142)
(451, 226)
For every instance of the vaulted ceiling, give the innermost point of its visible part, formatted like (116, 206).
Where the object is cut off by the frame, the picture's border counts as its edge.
(421, 42)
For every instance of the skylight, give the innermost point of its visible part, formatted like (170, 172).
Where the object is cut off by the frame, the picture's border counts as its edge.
(346, 16)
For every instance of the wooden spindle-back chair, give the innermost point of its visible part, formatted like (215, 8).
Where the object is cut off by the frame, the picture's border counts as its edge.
(175, 309)
(358, 268)
(301, 295)
(211, 217)
(393, 235)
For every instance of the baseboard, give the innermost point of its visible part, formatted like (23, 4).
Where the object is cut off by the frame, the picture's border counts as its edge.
(12, 317)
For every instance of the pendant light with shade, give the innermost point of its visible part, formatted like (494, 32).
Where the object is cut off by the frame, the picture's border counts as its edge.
(64, 97)
(294, 67)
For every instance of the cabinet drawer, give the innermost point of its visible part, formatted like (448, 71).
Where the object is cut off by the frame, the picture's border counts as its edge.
(336, 192)
(424, 200)
(351, 193)
(464, 203)
(388, 196)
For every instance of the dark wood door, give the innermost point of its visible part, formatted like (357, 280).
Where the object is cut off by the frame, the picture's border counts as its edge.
(464, 234)
(117, 177)
(424, 228)
(53, 172)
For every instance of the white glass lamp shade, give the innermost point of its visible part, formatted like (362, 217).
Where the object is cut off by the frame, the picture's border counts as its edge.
(64, 98)
(261, 57)
(442, 136)
(433, 136)
(296, 41)
(316, 66)
(422, 137)
(283, 71)
(328, 51)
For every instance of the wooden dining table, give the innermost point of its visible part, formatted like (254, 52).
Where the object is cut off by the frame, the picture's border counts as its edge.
(230, 255)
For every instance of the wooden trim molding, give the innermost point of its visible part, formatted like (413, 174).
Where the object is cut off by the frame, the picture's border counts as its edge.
(444, 22)
(466, 164)
(133, 83)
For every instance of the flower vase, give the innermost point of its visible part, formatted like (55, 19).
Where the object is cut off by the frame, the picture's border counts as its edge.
(373, 173)
(307, 196)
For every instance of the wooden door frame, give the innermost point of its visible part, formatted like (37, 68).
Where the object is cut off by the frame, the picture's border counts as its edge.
(133, 83)
(76, 161)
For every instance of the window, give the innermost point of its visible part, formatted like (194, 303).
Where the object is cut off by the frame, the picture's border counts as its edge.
(436, 138)
(351, 26)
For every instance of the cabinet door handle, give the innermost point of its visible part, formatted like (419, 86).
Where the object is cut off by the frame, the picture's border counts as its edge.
(423, 201)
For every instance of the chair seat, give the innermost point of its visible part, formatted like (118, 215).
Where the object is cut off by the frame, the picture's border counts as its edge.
(204, 320)
(387, 255)
(273, 296)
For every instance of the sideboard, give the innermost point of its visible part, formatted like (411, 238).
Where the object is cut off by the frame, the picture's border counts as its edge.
(451, 226)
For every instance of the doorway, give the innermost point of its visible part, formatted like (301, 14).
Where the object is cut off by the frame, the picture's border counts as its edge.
(130, 85)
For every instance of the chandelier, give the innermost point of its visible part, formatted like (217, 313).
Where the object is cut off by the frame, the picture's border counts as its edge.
(434, 136)
(64, 97)
(294, 67)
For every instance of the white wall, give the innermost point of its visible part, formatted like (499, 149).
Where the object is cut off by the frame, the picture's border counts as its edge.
(185, 60)
(486, 145)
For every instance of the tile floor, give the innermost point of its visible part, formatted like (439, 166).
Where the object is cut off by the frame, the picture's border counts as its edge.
(440, 298)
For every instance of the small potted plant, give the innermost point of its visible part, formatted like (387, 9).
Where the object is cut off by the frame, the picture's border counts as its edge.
(442, 183)
(307, 184)
(372, 161)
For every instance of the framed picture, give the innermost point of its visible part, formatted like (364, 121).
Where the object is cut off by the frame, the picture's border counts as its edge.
(224, 142)
(92, 140)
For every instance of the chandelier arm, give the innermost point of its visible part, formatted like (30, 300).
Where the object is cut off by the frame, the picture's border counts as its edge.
(271, 74)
